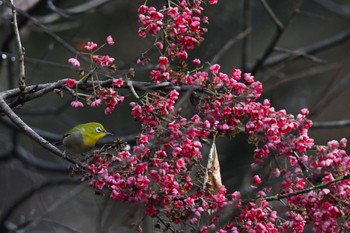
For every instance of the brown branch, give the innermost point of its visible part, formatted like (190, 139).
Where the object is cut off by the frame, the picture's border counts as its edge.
(330, 95)
(30, 160)
(29, 131)
(311, 49)
(229, 44)
(332, 6)
(301, 54)
(330, 124)
(278, 197)
(302, 75)
(280, 28)
(82, 8)
(274, 18)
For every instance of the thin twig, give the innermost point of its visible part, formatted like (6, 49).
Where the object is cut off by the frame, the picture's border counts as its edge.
(275, 39)
(340, 9)
(330, 95)
(79, 9)
(298, 53)
(311, 49)
(229, 44)
(21, 80)
(274, 18)
(49, 32)
(302, 75)
(330, 124)
(322, 185)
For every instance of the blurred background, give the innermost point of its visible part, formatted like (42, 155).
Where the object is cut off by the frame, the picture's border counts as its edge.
(306, 64)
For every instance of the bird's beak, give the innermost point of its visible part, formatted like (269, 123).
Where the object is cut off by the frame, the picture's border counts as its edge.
(108, 133)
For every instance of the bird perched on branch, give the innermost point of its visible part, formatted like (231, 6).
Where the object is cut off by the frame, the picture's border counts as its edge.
(83, 137)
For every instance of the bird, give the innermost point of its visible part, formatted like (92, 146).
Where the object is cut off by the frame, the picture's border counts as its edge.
(83, 137)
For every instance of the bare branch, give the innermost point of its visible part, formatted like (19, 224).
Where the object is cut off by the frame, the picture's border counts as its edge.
(229, 44)
(330, 124)
(21, 80)
(311, 49)
(29, 159)
(333, 6)
(274, 18)
(79, 9)
(298, 54)
(304, 74)
(270, 47)
(319, 186)
(329, 96)
(29, 131)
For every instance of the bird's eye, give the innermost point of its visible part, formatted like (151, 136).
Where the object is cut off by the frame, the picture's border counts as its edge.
(98, 130)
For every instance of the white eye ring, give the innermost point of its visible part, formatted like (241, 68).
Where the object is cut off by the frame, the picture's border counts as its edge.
(98, 130)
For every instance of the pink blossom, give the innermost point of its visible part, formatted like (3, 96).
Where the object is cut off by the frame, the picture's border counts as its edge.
(143, 9)
(248, 77)
(182, 55)
(256, 179)
(196, 62)
(236, 74)
(159, 45)
(163, 60)
(76, 104)
(118, 82)
(104, 60)
(108, 110)
(215, 68)
(189, 201)
(142, 33)
(74, 62)
(276, 172)
(235, 195)
(90, 46)
(96, 103)
(70, 83)
(110, 40)
(151, 210)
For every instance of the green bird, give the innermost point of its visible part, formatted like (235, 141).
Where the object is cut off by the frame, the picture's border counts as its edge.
(83, 137)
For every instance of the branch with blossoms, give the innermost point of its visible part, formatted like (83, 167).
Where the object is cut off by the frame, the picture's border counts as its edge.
(166, 170)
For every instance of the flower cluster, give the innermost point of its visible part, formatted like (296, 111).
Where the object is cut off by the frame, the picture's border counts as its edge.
(111, 98)
(92, 47)
(181, 25)
(164, 169)
(107, 95)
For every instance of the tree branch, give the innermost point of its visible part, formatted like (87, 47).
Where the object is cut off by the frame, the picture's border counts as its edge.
(21, 80)
(319, 186)
(311, 49)
(278, 34)
(29, 131)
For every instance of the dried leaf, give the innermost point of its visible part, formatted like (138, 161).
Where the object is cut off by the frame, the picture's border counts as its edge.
(212, 179)
(58, 92)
